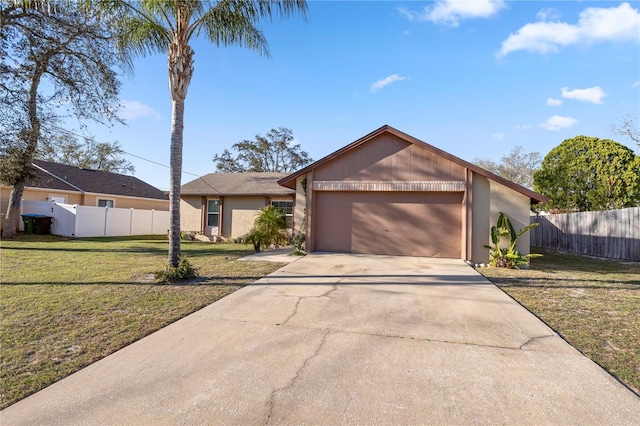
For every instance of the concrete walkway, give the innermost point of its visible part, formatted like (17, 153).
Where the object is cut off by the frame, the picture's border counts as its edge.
(344, 339)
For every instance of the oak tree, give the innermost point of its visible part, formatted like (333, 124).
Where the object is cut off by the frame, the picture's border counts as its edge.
(518, 166)
(275, 152)
(86, 153)
(56, 62)
(587, 174)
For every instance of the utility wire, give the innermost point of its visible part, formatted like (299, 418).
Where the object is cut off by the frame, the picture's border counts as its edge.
(139, 157)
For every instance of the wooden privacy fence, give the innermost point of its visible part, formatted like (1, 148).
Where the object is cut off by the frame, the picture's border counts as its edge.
(610, 233)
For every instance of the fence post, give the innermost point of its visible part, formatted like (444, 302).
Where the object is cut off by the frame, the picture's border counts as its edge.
(152, 215)
(106, 218)
(75, 220)
(131, 221)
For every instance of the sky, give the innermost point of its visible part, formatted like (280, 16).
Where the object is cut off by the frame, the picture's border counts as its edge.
(474, 78)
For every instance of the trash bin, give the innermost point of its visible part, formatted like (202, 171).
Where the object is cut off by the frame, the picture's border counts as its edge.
(37, 224)
(28, 223)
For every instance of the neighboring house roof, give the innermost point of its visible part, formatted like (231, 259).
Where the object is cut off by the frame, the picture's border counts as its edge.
(290, 180)
(71, 178)
(237, 184)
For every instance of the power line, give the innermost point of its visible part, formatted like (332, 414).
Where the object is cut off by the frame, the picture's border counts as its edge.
(139, 157)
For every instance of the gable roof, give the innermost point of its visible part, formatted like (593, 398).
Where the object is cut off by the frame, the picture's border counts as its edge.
(71, 178)
(290, 180)
(264, 183)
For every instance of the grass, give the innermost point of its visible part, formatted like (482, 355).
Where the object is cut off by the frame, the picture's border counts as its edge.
(66, 303)
(594, 304)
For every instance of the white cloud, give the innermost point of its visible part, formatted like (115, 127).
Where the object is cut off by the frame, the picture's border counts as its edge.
(385, 82)
(451, 12)
(595, 25)
(636, 84)
(497, 136)
(524, 126)
(132, 110)
(591, 94)
(558, 122)
(554, 102)
(548, 14)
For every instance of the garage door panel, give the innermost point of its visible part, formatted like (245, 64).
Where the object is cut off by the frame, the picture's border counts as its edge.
(412, 224)
(333, 231)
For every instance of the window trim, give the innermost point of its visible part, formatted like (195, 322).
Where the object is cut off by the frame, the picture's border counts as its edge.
(113, 201)
(51, 196)
(214, 213)
(288, 216)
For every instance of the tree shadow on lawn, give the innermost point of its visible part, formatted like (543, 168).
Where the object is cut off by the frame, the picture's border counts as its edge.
(186, 251)
(553, 262)
(566, 283)
(209, 281)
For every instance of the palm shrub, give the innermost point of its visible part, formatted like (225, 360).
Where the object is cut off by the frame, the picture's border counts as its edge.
(268, 228)
(257, 238)
(507, 257)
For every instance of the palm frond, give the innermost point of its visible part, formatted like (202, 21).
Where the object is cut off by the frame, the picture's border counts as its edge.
(141, 37)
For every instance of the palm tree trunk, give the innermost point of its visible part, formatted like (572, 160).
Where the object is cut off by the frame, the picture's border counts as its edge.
(180, 72)
(175, 163)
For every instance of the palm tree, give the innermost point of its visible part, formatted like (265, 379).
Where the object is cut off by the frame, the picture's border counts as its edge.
(271, 223)
(167, 26)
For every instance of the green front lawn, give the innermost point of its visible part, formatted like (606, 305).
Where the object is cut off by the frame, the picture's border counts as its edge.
(66, 303)
(594, 304)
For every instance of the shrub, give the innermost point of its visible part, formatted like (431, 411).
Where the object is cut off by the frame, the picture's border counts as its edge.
(271, 224)
(189, 235)
(256, 237)
(507, 257)
(298, 244)
(184, 271)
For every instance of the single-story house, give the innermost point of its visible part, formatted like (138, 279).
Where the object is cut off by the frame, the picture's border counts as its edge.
(74, 185)
(225, 205)
(392, 194)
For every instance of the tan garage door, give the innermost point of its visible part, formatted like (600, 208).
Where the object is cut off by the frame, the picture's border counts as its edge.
(394, 223)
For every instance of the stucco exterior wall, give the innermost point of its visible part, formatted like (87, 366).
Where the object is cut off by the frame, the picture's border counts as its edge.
(125, 202)
(489, 199)
(300, 206)
(239, 213)
(191, 213)
(480, 219)
(517, 208)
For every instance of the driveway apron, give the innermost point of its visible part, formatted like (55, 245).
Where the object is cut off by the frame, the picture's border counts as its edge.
(345, 339)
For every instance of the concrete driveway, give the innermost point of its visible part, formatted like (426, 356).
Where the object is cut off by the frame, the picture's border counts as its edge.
(344, 339)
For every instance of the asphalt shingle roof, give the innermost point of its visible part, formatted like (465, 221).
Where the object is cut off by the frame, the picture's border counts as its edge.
(237, 184)
(95, 181)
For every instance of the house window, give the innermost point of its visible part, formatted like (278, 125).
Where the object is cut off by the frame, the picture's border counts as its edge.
(58, 199)
(287, 209)
(213, 212)
(105, 202)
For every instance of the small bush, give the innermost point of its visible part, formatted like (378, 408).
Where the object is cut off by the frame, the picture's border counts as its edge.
(184, 271)
(298, 244)
(256, 237)
(189, 235)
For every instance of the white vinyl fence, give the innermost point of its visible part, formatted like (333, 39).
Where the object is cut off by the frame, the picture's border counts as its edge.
(72, 220)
